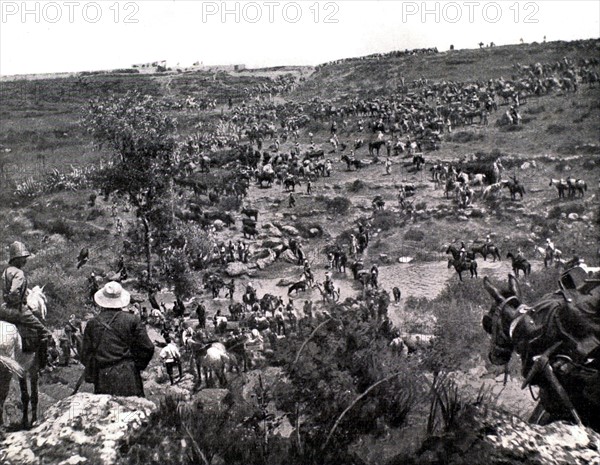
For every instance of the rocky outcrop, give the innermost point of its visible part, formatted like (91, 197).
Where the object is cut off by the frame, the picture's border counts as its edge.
(84, 428)
(486, 436)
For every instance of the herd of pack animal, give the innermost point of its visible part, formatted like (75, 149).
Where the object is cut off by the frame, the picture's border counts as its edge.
(558, 338)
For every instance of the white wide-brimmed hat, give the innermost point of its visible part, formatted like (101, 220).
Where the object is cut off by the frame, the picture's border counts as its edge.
(112, 295)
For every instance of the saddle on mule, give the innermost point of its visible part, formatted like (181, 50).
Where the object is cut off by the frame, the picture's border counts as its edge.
(558, 340)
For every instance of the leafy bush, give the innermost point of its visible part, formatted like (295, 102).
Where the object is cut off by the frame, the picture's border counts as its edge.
(463, 137)
(385, 220)
(338, 205)
(230, 203)
(556, 129)
(535, 110)
(512, 128)
(413, 234)
(356, 186)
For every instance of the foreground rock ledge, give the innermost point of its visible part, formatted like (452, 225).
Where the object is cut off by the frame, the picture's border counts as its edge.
(94, 423)
(486, 436)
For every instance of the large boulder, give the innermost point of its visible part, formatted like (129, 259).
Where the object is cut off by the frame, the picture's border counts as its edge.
(94, 423)
(485, 436)
(272, 243)
(263, 263)
(290, 230)
(289, 256)
(235, 269)
(273, 230)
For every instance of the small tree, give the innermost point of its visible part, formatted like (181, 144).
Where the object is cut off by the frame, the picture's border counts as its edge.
(142, 137)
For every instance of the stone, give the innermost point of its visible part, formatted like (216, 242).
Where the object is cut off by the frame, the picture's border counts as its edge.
(290, 230)
(235, 269)
(505, 439)
(95, 422)
(289, 257)
(526, 165)
(314, 232)
(573, 216)
(272, 242)
(263, 263)
(273, 230)
(219, 225)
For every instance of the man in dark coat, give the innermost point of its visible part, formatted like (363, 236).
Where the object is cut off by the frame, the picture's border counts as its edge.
(117, 343)
(201, 314)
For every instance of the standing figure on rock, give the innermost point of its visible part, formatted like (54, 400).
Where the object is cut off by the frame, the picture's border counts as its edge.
(116, 346)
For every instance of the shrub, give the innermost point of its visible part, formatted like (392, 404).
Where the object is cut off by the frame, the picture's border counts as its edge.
(338, 205)
(385, 220)
(413, 234)
(356, 186)
(512, 128)
(230, 203)
(535, 110)
(463, 137)
(556, 129)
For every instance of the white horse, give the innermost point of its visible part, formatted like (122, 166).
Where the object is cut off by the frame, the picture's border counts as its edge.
(492, 189)
(13, 361)
(478, 180)
(408, 343)
(211, 358)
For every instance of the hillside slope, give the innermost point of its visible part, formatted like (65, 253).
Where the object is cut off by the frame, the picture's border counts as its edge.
(384, 74)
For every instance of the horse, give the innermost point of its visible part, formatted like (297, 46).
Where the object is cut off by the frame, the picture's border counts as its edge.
(215, 284)
(269, 303)
(514, 190)
(478, 180)
(353, 162)
(418, 162)
(210, 358)
(492, 189)
(249, 232)
(375, 146)
(397, 294)
(456, 253)
(550, 256)
(460, 266)
(299, 286)
(289, 184)
(378, 203)
(409, 343)
(557, 340)
(486, 250)
(334, 295)
(561, 186)
(521, 264)
(576, 186)
(13, 361)
(265, 177)
(250, 213)
(497, 172)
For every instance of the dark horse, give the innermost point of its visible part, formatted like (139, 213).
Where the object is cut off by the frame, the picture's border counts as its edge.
(514, 190)
(353, 162)
(265, 177)
(460, 266)
(558, 342)
(299, 286)
(375, 146)
(486, 250)
(520, 264)
(456, 253)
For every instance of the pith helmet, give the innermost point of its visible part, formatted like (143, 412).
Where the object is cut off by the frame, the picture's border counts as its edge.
(17, 249)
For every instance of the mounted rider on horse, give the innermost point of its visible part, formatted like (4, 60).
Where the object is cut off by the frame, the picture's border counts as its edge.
(15, 310)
